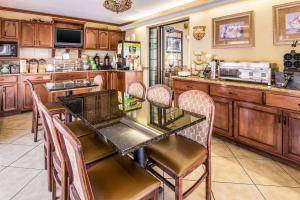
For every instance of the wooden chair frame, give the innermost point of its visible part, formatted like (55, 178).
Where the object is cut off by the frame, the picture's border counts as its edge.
(178, 187)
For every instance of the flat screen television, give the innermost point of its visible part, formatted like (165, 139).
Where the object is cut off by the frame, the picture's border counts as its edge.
(68, 38)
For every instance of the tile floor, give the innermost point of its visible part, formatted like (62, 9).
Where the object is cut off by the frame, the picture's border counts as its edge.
(237, 174)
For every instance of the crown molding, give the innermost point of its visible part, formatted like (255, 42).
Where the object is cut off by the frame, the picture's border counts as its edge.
(57, 16)
(177, 14)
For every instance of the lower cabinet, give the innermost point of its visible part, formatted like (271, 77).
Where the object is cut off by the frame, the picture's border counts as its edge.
(291, 135)
(10, 97)
(258, 126)
(27, 96)
(223, 124)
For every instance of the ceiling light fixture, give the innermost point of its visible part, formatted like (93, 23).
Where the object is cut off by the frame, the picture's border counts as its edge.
(117, 6)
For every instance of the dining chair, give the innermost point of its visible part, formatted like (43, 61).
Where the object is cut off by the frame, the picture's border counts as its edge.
(160, 95)
(182, 153)
(137, 89)
(99, 81)
(54, 108)
(94, 148)
(114, 178)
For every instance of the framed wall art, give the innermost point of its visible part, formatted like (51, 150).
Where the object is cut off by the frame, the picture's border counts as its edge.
(174, 45)
(234, 31)
(286, 19)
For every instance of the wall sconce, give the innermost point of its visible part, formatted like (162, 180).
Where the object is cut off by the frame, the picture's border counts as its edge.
(199, 32)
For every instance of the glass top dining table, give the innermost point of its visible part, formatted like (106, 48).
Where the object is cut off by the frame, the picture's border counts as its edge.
(126, 122)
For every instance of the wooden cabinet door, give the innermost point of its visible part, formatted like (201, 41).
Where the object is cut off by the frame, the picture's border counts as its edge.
(10, 29)
(114, 38)
(103, 40)
(291, 135)
(223, 123)
(112, 80)
(44, 35)
(27, 34)
(10, 96)
(258, 126)
(27, 97)
(91, 38)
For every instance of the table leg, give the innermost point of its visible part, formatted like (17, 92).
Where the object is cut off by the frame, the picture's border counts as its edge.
(68, 115)
(140, 157)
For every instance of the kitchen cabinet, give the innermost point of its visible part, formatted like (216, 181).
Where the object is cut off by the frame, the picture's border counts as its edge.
(91, 38)
(223, 124)
(38, 81)
(36, 35)
(10, 97)
(103, 40)
(9, 29)
(112, 80)
(258, 126)
(291, 135)
(114, 38)
(44, 35)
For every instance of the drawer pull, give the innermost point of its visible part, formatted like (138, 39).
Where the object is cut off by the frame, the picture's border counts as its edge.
(279, 119)
(231, 93)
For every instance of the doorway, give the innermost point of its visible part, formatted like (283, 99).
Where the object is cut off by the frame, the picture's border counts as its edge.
(168, 51)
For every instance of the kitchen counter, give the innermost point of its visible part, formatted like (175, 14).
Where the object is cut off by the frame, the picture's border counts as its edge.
(239, 84)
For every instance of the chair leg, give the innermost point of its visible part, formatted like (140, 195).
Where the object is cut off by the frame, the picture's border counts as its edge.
(35, 126)
(33, 120)
(178, 188)
(53, 188)
(50, 169)
(208, 179)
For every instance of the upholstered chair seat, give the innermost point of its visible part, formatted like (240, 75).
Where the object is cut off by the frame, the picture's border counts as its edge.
(181, 158)
(180, 154)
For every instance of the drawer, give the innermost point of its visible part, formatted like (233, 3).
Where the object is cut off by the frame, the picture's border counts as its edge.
(241, 94)
(8, 79)
(283, 101)
(37, 77)
(69, 76)
(191, 85)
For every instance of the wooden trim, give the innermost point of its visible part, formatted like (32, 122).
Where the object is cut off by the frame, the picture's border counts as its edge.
(56, 15)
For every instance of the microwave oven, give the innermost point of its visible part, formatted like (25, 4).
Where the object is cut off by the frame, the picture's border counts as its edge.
(8, 49)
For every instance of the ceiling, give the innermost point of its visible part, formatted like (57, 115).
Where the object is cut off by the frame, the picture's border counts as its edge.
(93, 9)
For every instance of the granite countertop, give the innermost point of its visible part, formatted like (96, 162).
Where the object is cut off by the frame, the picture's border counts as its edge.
(239, 84)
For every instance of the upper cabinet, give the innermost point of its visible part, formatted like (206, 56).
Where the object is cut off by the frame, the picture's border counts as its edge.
(9, 29)
(36, 35)
(114, 38)
(91, 38)
(102, 39)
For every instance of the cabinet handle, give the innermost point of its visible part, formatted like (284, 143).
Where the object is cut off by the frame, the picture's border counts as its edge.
(279, 119)
(4, 33)
(284, 120)
(231, 93)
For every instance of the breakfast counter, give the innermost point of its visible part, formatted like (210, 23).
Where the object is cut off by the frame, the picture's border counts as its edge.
(263, 118)
(16, 93)
(238, 84)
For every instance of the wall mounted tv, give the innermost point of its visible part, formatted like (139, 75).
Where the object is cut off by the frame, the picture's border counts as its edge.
(68, 38)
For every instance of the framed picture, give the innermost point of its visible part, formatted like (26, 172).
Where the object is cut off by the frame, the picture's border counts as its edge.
(233, 31)
(286, 18)
(174, 45)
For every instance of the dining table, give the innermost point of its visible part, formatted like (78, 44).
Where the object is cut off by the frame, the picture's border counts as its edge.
(68, 87)
(127, 123)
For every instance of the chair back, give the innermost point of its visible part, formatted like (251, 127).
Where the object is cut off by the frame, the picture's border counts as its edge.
(99, 81)
(160, 95)
(198, 102)
(72, 151)
(49, 129)
(31, 86)
(137, 89)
